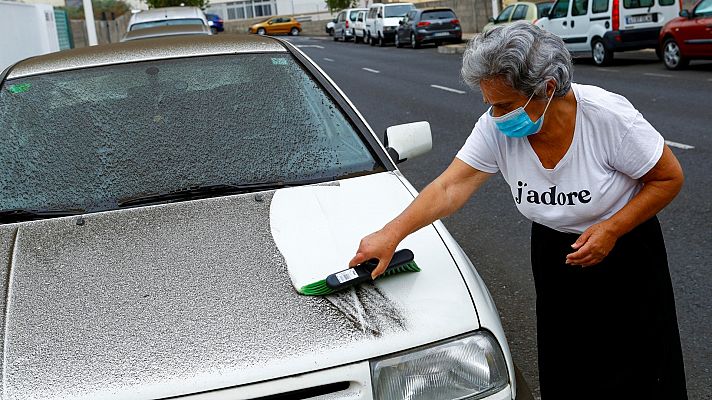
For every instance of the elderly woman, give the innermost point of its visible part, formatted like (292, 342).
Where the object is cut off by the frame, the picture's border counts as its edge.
(591, 173)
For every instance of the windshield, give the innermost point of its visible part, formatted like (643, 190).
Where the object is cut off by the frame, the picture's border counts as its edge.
(90, 139)
(397, 11)
(167, 22)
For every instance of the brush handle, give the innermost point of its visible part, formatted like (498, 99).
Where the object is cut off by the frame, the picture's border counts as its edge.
(362, 272)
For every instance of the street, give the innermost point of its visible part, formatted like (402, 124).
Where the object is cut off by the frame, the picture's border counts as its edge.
(391, 86)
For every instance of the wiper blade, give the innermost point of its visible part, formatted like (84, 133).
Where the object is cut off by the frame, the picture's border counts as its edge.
(24, 214)
(201, 192)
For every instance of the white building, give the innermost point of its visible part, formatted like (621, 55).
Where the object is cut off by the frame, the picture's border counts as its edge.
(231, 10)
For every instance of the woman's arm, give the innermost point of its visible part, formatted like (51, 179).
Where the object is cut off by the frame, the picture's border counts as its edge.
(442, 197)
(660, 185)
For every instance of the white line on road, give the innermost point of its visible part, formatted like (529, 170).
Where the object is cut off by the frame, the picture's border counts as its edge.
(310, 45)
(448, 89)
(679, 145)
(328, 59)
(608, 70)
(371, 70)
(659, 75)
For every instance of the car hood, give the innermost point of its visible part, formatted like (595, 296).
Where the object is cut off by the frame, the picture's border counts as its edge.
(179, 298)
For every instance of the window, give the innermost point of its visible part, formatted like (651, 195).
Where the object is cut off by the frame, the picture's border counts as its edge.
(166, 22)
(666, 2)
(579, 7)
(543, 9)
(638, 3)
(704, 9)
(440, 14)
(600, 6)
(504, 16)
(352, 15)
(372, 13)
(397, 11)
(340, 17)
(560, 9)
(519, 13)
(131, 118)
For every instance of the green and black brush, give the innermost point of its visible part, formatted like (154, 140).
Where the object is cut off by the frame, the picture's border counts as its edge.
(402, 261)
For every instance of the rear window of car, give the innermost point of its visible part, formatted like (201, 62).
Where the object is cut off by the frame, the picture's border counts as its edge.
(667, 2)
(440, 14)
(396, 11)
(89, 139)
(638, 3)
(167, 22)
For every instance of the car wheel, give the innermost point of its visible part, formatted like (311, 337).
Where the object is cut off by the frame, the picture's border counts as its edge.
(601, 55)
(672, 57)
(331, 32)
(213, 30)
(413, 42)
(398, 42)
(261, 31)
(371, 41)
(294, 32)
(381, 41)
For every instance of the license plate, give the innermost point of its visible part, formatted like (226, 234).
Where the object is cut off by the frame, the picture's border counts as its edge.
(442, 34)
(639, 19)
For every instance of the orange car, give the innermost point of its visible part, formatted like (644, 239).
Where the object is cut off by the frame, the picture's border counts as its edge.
(276, 25)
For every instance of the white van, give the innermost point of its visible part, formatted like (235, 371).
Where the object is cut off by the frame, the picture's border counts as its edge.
(382, 21)
(599, 28)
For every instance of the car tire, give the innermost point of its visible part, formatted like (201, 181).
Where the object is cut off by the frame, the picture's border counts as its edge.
(371, 41)
(330, 32)
(413, 41)
(294, 32)
(398, 42)
(601, 55)
(213, 30)
(381, 41)
(261, 32)
(672, 57)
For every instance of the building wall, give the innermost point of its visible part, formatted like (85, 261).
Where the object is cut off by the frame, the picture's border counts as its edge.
(26, 30)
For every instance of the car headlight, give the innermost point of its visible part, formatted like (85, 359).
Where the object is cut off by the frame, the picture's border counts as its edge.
(469, 367)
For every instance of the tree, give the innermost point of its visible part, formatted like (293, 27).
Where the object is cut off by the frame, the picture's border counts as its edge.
(172, 3)
(337, 5)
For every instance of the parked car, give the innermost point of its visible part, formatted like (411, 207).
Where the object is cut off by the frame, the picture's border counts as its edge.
(167, 16)
(687, 37)
(520, 11)
(215, 23)
(277, 25)
(359, 27)
(163, 31)
(601, 27)
(153, 258)
(382, 21)
(330, 27)
(432, 25)
(344, 25)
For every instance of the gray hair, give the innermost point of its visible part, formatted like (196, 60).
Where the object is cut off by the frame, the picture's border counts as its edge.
(525, 55)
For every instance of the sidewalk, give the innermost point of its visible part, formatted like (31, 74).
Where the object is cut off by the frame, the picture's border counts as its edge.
(456, 48)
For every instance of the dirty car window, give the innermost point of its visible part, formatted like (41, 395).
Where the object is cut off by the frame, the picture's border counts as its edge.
(88, 138)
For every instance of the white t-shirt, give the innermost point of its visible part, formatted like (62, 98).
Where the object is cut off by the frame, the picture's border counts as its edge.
(613, 146)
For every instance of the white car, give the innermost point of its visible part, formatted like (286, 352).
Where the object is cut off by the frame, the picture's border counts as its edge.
(382, 21)
(359, 27)
(599, 28)
(344, 25)
(167, 16)
(148, 258)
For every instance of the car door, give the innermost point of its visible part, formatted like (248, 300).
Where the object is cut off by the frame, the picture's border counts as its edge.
(696, 32)
(579, 21)
(558, 23)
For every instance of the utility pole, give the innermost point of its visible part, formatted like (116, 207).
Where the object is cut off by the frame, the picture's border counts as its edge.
(495, 8)
(91, 26)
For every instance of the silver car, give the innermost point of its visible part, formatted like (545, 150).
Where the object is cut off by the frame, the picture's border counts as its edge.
(161, 198)
(167, 30)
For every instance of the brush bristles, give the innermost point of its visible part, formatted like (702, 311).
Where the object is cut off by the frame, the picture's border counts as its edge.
(319, 288)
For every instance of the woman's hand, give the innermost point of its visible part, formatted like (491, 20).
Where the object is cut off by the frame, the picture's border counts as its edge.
(381, 245)
(593, 245)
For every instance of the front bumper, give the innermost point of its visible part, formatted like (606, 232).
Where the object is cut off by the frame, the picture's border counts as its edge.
(632, 39)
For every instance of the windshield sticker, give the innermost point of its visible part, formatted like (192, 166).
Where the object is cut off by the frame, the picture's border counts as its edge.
(19, 88)
(279, 61)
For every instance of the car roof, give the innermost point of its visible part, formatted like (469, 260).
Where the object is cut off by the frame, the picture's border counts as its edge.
(166, 13)
(170, 30)
(145, 50)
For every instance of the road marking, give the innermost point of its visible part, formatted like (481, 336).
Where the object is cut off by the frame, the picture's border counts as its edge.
(448, 89)
(328, 59)
(679, 145)
(310, 45)
(659, 75)
(609, 70)
(371, 70)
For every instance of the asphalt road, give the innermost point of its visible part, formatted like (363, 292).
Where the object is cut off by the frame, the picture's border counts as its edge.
(392, 86)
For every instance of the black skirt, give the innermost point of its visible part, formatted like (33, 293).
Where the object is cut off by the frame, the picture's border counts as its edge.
(607, 331)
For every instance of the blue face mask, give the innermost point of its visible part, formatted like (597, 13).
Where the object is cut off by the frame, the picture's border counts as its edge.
(516, 123)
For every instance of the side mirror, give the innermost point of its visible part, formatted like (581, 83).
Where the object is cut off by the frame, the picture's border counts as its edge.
(380, 15)
(491, 19)
(408, 140)
(333, 20)
(401, 22)
(270, 22)
(684, 13)
(359, 19)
